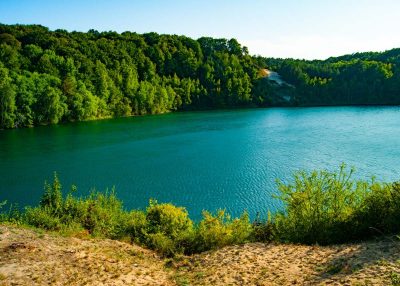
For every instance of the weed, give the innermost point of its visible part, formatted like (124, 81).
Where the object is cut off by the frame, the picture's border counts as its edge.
(395, 279)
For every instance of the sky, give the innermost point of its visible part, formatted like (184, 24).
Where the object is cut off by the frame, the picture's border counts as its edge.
(309, 29)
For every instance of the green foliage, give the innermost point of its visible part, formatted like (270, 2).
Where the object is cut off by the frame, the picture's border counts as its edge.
(2, 204)
(162, 243)
(215, 231)
(101, 214)
(380, 211)
(322, 207)
(366, 78)
(104, 215)
(51, 76)
(13, 215)
(169, 228)
(7, 99)
(330, 207)
(317, 205)
(264, 230)
(3, 216)
(162, 227)
(136, 226)
(52, 197)
(42, 218)
(47, 77)
(167, 219)
(395, 278)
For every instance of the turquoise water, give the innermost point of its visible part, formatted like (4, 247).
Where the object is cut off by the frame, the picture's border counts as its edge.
(201, 160)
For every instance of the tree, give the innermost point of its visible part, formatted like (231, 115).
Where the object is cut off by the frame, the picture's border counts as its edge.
(7, 100)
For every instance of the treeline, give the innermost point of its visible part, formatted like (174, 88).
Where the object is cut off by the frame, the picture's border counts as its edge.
(53, 76)
(319, 207)
(48, 77)
(357, 79)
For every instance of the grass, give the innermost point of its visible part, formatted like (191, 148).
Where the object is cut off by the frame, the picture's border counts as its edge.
(395, 278)
(181, 279)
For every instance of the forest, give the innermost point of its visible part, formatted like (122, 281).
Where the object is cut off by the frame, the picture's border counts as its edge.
(369, 78)
(48, 77)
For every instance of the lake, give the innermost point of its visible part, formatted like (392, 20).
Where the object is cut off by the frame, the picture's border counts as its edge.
(200, 160)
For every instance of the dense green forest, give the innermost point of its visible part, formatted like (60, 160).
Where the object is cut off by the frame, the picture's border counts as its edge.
(52, 76)
(56, 76)
(357, 79)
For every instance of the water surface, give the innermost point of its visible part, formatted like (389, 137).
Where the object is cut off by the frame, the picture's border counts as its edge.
(201, 160)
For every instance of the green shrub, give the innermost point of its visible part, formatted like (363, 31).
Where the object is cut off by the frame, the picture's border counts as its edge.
(219, 230)
(264, 230)
(3, 216)
(2, 204)
(101, 214)
(42, 218)
(319, 205)
(168, 221)
(104, 215)
(52, 198)
(13, 215)
(136, 225)
(74, 209)
(330, 207)
(163, 227)
(163, 244)
(380, 211)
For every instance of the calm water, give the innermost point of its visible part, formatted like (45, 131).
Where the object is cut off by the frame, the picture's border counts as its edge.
(201, 160)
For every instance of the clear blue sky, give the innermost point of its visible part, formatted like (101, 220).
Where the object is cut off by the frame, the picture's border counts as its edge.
(281, 28)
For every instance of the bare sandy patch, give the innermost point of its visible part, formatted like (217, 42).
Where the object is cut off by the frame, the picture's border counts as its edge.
(31, 258)
(372, 263)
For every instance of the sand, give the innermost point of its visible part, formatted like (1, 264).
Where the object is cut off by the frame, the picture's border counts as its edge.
(31, 257)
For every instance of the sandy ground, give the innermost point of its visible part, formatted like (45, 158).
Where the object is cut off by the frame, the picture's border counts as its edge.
(373, 263)
(29, 257)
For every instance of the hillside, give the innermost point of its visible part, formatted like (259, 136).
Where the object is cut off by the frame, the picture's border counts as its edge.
(371, 78)
(48, 77)
(29, 257)
(36, 258)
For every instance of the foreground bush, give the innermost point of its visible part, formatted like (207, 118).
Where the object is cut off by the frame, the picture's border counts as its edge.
(100, 214)
(379, 212)
(330, 207)
(169, 228)
(319, 207)
(216, 231)
(162, 227)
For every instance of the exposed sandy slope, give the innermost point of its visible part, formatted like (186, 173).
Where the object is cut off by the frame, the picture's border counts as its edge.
(31, 258)
(373, 263)
(274, 76)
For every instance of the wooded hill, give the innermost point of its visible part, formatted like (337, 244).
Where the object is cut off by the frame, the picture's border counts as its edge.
(47, 77)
